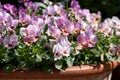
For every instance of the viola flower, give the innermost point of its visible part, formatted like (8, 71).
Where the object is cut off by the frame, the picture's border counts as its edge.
(14, 24)
(62, 48)
(107, 27)
(116, 26)
(38, 21)
(7, 20)
(112, 49)
(96, 18)
(24, 18)
(60, 10)
(10, 41)
(77, 27)
(92, 38)
(64, 25)
(82, 41)
(31, 34)
(53, 31)
(50, 11)
(86, 15)
(10, 8)
(75, 6)
(84, 27)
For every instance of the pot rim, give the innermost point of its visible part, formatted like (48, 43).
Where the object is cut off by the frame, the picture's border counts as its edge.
(82, 70)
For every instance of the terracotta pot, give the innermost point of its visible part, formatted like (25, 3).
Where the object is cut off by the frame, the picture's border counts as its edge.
(84, 72)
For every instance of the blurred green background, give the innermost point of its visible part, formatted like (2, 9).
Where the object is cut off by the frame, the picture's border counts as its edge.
(108, 8)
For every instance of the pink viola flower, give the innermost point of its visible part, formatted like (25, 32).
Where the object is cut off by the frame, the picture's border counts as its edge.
(10, 8)
(24, 18)
(31, 5)
(75, 6)
(107, 27)
(86, 15)
(50, 11)
(14, 24)
(53, 31)
(31, 34)
(38, 21)
(48, 14)
(7, 20)
(92, 38)
(82, 41)
(61, 48)
(64, 25)
(96, 18)
(10, 41)
(60, 10)
(84, 27)
(77, 27)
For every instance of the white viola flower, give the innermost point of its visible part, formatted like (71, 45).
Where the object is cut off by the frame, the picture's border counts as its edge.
(96, 18)
(61, 48)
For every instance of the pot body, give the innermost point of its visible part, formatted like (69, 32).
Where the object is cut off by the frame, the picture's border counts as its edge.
(84, 72)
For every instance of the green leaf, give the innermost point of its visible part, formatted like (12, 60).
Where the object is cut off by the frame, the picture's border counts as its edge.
(38, 58)
(45, 29)
(58, 64)
(69, 62)
(8, 68)
(47, 69)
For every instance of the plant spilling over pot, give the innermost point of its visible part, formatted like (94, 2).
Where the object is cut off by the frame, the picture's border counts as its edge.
(44, 35)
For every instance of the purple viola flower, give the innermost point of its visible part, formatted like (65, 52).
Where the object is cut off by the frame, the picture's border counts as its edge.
(32, 33)
(75, 6)
(24, 18)
(60, 10)
(84, 27)
(87, 15)
(92, 38)
(77, 27)
(11, 8)
(10, 41)
(28, 5)
(28, 40)
(82, 41)
(7, 20)
(14, 24)
(38, 21)
(11, 31)
(21, 10)
(107, 27)
(64, 25)
(50, 11)
(53, 31)
(61, 48)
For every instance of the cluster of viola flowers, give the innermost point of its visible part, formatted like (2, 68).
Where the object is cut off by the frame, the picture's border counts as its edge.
(69, 28)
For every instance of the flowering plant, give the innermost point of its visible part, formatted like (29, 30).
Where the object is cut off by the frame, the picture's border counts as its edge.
(46, 36)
